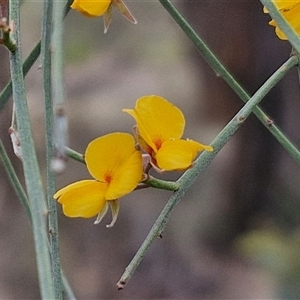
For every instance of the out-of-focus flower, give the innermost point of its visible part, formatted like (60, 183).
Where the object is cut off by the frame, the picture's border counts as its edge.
(116, 166)
(291, 12)
(97, 8)
(159, 129)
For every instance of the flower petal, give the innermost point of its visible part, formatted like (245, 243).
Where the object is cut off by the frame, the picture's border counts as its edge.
(82, 199)
(126, 176)
(292, 17)
(290, 10)
(114, 159)
(91, 8)
(158, 120)
(285, 5)
(178, 155)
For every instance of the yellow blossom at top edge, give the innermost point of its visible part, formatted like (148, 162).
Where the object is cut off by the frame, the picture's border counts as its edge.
(292, 17)
(91, 8)
(160, 126)
(283, 5)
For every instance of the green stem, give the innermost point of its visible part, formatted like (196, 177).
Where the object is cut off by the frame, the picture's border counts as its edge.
(74, 155)
(188, 178)
(24, 201)
(222, 71)
(60, 134)
(67, 289)
(58, 54)
(7, 91)
(52, 205)
(161, 184)
(14, 180)
(30, 164)
(31, 59)
(290, 33)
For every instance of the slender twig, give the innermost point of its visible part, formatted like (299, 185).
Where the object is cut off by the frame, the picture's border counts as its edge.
(188, 178)
(14, 180)
(30, 164)
(161, 184)
(7, 91)
(60, 122)
(52, 206)
(31, 59)
(24, 201)
(74, 155)
(218, 67)
(68, 292)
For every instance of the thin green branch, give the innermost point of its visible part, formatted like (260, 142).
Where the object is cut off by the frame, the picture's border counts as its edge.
(68, 292)
(52, 205)
(24, 201)
(74, 155)
(290, 33)
(161, 184)
(60, 134)
(31, 59)
(7, 91)
(188, 178)
(218, 67)
(14, 180)
(30, 164)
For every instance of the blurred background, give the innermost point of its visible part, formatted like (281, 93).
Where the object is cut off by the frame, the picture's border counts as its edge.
(235, 234)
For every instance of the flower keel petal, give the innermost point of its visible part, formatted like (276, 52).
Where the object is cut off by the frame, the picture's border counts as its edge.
(178, 155)
(82, 199)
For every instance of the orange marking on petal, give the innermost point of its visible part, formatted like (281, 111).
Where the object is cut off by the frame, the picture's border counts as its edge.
(108, 177)
(158, 142)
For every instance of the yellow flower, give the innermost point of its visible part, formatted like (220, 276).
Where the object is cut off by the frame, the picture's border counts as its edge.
(97, 8)
(116, 166)
(160, 126)
(291, 12)
(91, 8)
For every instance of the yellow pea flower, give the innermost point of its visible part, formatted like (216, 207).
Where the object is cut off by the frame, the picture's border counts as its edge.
(91, 8)
(160, 126)
(116, 166)
(97, 8)
(291, 12)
